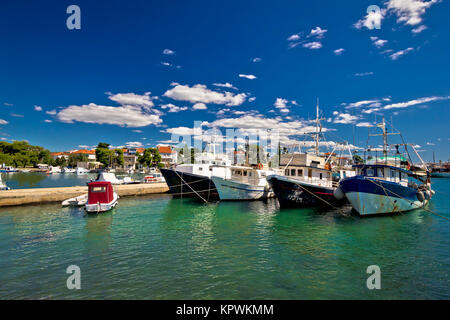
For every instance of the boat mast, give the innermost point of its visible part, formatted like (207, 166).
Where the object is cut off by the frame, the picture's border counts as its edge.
(318, 128)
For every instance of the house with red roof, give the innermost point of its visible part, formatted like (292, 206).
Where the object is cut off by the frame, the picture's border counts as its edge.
(169, 155)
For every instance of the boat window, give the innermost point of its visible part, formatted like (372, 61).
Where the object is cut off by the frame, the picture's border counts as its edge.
(286, 172)
(380, 172)
(370, 172)
(300, 172)
(321, 176)
(292, 172)
(250, 174)
(329, 175)
(392, 173)
(263, 174)
(245, 173)
(98, 189)
(200, 169)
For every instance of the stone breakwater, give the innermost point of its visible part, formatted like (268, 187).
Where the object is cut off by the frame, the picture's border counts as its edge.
(48, 195)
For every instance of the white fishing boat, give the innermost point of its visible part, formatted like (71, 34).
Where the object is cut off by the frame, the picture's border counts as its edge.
(245, 183)
(81, 170)
(3, 186)
(52, 170)
(68, 170)
(101, 197)
(383, 184)
(8, 169)
(76, 201)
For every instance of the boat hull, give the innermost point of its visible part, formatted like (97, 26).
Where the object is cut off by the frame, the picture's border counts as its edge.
(379, 197)
(182, 184)
(102, 207)
(233, 190)
(296, 194)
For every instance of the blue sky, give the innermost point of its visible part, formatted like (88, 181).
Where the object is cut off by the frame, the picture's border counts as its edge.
(138, 71)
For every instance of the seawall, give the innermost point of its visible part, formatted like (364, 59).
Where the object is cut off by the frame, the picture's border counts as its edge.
(48, 195)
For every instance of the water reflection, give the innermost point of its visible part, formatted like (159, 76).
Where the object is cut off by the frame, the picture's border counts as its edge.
(97, 237)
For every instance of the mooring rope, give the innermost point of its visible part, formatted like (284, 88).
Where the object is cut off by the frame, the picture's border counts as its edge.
(189, 186)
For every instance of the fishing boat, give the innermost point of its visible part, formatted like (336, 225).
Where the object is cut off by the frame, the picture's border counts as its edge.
(101, 197)
(76, 201)
(245, 183)
(108, 176)
(81, 170)
(2, 185)
(383, 185)
(308, 178)
(194, 180)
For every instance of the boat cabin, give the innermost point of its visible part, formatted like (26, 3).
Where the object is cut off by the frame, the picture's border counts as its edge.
(383, 172)
(306, 167)
(100, 192)
(249, 175)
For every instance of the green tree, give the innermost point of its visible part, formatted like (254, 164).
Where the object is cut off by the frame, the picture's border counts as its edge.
(104, 154)
(74, 158)
(118, 157)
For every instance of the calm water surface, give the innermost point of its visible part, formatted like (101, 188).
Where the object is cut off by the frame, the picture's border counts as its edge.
(163, 248)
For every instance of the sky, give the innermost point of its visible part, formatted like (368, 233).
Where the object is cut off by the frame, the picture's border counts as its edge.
(137, 72)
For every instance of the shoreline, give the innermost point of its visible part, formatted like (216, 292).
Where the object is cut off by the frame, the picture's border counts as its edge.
(32, 196)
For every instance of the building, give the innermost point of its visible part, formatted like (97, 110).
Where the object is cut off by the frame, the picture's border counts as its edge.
(89, 153)
(169, 156)
(58, 155)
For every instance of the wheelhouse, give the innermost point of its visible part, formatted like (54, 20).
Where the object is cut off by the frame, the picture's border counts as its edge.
(384, 172)
(100, 192)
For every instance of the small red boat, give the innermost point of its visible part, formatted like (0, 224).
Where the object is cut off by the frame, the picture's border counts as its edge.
(101, 197)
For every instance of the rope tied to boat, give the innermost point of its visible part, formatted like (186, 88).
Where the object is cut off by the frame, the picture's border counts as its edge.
(190, 187)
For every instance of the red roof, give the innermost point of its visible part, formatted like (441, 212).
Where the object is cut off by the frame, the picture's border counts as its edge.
(84, 151)
(140, 150)
(165, 149)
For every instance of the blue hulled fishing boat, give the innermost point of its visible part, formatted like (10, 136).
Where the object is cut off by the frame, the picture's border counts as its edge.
(386, 184)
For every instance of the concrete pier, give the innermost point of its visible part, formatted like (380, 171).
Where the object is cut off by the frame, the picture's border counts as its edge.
(47, 195)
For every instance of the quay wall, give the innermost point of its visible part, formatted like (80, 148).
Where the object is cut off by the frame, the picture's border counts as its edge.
(48, 195)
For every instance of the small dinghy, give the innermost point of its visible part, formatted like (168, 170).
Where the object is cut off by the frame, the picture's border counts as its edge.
(76, 201)
(101, 197)
(2, 185)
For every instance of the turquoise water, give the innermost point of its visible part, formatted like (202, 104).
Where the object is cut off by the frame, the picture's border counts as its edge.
(24, 180)
(162, 248)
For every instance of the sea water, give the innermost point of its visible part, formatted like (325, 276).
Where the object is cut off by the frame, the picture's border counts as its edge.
(156, 247)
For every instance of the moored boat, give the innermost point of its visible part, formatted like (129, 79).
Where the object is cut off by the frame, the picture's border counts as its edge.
(76, 201)
(101, 197)
(81, 170)
(2, 185)
(245, 183)
(383, 186)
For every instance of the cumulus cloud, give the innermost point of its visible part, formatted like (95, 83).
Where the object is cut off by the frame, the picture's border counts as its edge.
(294, 37)
(339, 51)
(173, 108)
(48, 121)
(3, 121)
(409, 12)
(419, 29)
(362, 103)
(133, 99)
(247, 76)
(257, 59)
(344, 118)
(126, 116)
(200, 93)
(134, 144)
(199, 106)
(364, 124)
(51, 112)
(372, 19)
(317, 32)
(37, 108)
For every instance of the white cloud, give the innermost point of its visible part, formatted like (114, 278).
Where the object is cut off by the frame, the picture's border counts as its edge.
(133, 99)
(430, 144)
(339, 51)
(419, 29)
(280, 103)
(167, 64)
(199, 106)
(128, 116)
(3, 121)
(377, 42)
(294, 37)
(51, 112)
(48, 121)
(364, 124)
(257, 59)
(38, 108)
(363, 74)
(134, 144)
(312, 45)
(317, 32)
(400, 53)
(168, 52)
(225, 85)
(200, 93)
(248, 76)
(173, 108)
(137, 131)
(409, 11)
(362, 103)
(345, 118)
(251, 99)
(184, 131)
(414, 102)
(8, 104)
(372, 19)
